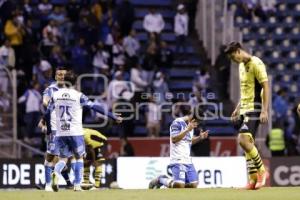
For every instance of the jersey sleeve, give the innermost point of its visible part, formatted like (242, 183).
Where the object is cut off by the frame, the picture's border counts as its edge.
(85, 101)
(175, 129)
(260, 71)
(47, 92)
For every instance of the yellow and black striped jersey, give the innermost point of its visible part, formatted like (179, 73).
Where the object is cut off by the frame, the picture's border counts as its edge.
(252, 74)
(93, 138)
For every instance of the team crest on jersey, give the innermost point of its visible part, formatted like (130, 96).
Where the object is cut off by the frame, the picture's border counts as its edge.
(65, 95)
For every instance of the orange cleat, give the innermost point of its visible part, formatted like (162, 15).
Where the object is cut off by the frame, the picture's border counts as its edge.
(250, 185)
(261, 179)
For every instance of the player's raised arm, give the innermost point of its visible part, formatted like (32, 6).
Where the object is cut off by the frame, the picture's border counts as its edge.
(177, 135)
(84, 101)
(202, 135)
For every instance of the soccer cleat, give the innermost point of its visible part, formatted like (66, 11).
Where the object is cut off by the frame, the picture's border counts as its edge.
(250, 186)
(77, 188)
(261, 179)
(40, 186)
(54, 181)
(155, 184)
(48, 188)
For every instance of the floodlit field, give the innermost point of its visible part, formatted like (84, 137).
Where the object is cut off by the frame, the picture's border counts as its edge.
(280, 193)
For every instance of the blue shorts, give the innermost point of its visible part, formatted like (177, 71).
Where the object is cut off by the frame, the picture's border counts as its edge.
(184, 173)
(70, 145)
(51, 149)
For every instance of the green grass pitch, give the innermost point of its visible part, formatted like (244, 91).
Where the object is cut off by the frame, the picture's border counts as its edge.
(274, 193)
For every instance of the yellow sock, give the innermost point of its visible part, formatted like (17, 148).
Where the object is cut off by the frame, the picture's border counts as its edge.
(98, 173)
(254, 155)
(252, 170)
(86, 174)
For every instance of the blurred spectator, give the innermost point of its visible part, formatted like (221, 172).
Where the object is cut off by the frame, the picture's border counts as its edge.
(125, 16)
(33, 100)
(4, 105)
(201, 80)
(276, 140)
(27, 9)
(7, 55)
(197, 100)
(80, 57)
(131, 46)
(7, 60)
(100, 60)
(181, 28)
(42, 73)
(160, 88)
(166, 58)
(118, 53)
(96, 10)
(51, 36)
(126, 149)
(268, 6)
(153, 22)
(280, 105)
(59, 16)
(14, 31)
(139, 83)
(150, 63)
(30, 46)
(57, 57)
(44, 9)
(116, 89)
(73, 9)
(153, 117)
(222, 67)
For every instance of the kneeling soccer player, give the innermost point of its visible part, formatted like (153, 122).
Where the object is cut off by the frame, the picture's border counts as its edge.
(181, 139)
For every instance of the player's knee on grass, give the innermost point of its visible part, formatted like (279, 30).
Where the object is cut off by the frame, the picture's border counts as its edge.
(191, 185)
(178, 185)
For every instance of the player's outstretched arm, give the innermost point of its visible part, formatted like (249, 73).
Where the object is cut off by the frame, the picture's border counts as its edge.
(84, 101)
(117, 117)
(202, 135)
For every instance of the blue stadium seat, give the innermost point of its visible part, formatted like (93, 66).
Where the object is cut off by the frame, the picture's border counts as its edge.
(151, 2)
(181, 85)
(59, 2)
(169, 37)
(182, 73)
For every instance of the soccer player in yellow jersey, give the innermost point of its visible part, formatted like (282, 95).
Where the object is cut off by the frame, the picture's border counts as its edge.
(94, 142)
(252, 108)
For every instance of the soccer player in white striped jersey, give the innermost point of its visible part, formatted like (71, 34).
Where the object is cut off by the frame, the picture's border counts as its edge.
(67, 103)
(51, 152)
(181, 139)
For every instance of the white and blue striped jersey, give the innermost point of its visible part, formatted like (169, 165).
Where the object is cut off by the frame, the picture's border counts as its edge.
(180, 152)
(48, 92)
(67, 104)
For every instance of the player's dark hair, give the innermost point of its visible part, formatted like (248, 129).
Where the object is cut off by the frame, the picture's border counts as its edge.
(62, 68)
(70, 78)
(232, 47)
(197, 113)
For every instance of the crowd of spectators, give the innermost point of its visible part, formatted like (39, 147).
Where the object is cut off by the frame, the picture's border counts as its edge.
(93, 37)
